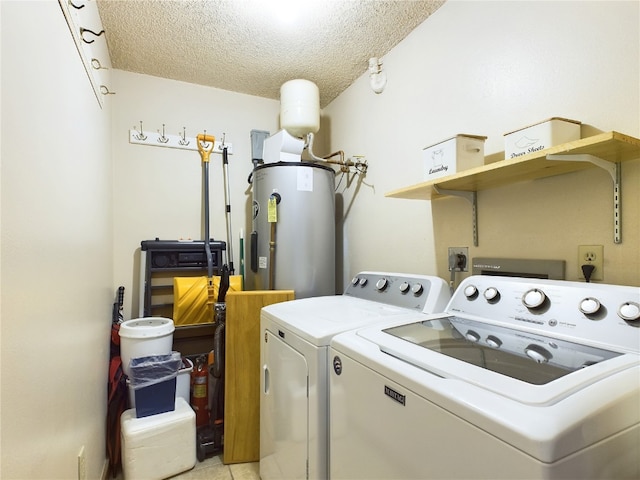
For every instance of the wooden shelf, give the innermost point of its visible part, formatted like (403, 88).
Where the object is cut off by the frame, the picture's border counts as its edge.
(613, 147)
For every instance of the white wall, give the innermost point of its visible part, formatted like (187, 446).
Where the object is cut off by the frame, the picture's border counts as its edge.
(68, 240)
(159, 190)
(487, 68)
(57, 250)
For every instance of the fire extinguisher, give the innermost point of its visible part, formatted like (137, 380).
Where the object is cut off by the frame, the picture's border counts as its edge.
(199, 395)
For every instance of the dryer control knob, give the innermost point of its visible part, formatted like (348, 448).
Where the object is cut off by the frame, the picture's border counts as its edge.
(538, 353)
(492, 294)
(417, 289)
(494, 341)
(470, 291)
(382, 284)
(362, 282)
(404, 287)
(629, 311)
(589, 305)
(534, 298)
(354, 281)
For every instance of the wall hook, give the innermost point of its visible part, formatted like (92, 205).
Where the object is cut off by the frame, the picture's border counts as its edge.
(75, 6)
(141, 135)
(205, 144)
(105, 91)
(95, 63)
(162, 138)
(83, 30)
(222, 144)
(183, 138)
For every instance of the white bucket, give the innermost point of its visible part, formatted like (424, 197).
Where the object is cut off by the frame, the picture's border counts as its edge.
(300, 107)
(142, 337)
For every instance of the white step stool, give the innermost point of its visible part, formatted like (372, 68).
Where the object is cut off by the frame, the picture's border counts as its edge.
(158, 446)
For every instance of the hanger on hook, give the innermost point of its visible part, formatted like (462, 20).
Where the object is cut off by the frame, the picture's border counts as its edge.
(83, 30)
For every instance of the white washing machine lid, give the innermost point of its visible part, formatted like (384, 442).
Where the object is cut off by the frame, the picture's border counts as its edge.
(551, 385)
(318, 319)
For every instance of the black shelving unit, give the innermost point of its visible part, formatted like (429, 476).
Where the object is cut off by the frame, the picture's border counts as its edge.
(162, 260)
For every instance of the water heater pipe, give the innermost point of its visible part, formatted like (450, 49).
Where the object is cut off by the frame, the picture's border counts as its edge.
(344, 165)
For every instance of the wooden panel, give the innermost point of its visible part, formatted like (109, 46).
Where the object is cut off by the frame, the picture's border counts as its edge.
(610, 146)
(242, 372)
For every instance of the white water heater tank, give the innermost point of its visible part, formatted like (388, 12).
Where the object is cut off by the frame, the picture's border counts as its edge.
(300, 107)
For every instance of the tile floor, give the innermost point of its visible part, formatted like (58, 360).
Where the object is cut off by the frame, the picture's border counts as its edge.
(213, 469)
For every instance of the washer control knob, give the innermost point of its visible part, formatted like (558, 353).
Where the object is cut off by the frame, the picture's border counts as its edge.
(494, 341)
(589, 305)
(404, 287)
(534, 298)
(629, 311)
(470, 291)
(362, 282)
(354, 281)
(382, 284)
(417, 289)
(538, 353)
(492, 294)
(472, 336)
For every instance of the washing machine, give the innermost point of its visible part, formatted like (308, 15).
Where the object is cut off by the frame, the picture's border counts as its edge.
(294, 353)
(518, 379)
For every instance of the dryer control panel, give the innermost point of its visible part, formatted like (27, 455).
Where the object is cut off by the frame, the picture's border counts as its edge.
(422, 293)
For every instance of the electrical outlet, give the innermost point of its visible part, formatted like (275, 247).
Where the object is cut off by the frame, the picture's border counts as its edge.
(591, 255)
(453, 259)
(82, 464)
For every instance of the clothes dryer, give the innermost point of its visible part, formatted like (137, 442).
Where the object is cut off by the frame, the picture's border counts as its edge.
(294, 405)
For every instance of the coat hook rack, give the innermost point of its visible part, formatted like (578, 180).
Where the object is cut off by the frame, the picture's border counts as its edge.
(180, 141)
(83, 20)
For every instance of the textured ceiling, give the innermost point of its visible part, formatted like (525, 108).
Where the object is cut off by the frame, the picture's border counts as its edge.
(254, 46)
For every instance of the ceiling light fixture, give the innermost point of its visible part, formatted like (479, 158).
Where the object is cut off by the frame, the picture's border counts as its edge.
(377, 78)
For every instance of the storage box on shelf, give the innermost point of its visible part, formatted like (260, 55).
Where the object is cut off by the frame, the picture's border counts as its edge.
(539, 136)
(453, 155)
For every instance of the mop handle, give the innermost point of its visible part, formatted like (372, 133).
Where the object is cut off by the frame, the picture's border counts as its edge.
(227, 195)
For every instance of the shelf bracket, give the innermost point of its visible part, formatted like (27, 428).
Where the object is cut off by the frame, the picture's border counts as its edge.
(472, 197)
(614, 171)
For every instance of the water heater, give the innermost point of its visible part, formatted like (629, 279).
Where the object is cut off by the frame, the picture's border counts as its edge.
(292, 245)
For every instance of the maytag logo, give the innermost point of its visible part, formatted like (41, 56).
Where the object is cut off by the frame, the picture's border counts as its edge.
(398, 397)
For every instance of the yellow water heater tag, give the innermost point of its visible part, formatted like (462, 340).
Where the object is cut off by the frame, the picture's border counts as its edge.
(272, 211)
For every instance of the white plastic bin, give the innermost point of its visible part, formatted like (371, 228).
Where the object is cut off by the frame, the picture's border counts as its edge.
(142, 337)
